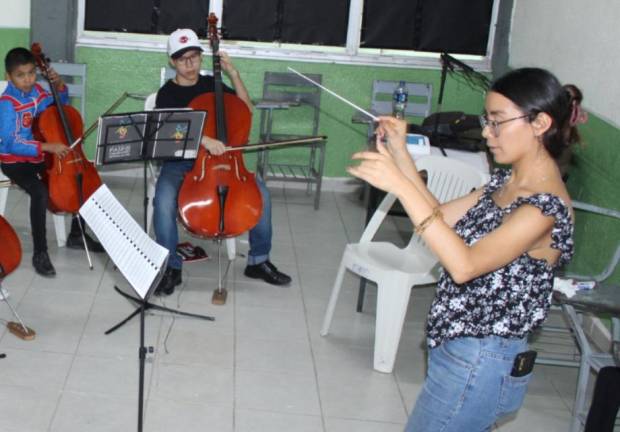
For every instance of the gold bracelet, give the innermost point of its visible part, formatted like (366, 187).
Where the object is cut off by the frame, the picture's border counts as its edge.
(429, 220)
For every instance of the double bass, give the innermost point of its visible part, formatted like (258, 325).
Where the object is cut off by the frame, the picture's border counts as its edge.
(71, 179)
(219, 197)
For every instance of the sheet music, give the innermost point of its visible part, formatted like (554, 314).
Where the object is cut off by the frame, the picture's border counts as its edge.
(139, 258)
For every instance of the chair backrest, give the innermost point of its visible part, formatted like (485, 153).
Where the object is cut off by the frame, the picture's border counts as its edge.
(419, 101)
(448, 179)
(289, 87)
(149, 102)
(615, 258)
(74, 75)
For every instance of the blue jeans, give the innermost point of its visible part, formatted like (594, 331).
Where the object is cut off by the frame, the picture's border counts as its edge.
(165, 215)
(468, 385)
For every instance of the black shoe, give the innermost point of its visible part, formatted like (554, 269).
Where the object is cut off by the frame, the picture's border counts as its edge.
(42, 264)
(74, 241)
(267, 272)
(172, 277)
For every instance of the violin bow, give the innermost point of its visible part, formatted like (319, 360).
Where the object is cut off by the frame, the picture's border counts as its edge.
(249, 147)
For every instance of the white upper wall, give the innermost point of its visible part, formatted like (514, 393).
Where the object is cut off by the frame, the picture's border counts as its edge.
(578, 40)
(15, 14)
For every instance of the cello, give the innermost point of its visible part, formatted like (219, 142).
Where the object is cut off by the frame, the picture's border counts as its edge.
(219, 197)
(10, 257)
(72, 179)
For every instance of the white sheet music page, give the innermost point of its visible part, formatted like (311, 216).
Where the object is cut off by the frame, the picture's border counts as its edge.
(139, 258)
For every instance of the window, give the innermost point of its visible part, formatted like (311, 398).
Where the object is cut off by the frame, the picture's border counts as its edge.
(403, 33)
(316, 22)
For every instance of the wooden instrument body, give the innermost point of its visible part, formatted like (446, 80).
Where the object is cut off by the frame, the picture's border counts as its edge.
(11, 250)
(199, 200)
(72, 179)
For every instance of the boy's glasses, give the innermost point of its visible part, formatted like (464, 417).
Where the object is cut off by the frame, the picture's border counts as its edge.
(189, 60)
(494, 124)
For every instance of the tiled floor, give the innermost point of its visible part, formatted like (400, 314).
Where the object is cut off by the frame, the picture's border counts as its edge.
(261, 366)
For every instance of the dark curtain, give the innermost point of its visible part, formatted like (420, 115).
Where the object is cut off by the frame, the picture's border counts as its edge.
(147, 16)
(455, 26)
(119, 16)
(319, 22)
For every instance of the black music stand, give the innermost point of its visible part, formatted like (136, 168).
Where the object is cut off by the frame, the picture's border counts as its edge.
(168, 134)
(473, 78)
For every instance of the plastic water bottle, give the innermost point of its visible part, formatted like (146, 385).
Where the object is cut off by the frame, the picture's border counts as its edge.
(399, 100)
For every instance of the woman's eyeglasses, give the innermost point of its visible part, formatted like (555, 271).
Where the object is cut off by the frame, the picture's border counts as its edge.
(494, 124)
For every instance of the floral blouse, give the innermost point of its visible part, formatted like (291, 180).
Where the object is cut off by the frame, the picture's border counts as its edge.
(512, 300)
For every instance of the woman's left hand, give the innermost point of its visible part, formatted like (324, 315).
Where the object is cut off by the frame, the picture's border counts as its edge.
(378, 169)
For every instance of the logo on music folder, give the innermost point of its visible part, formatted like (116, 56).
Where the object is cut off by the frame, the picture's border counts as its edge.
(121, 132)
(179, 132)
(119, 151)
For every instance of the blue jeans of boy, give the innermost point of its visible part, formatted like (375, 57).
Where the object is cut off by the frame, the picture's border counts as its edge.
(468, 385)
(165, 215)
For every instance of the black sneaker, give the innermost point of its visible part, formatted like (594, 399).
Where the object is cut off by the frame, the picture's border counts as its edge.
(74, 241)
(267, 272)
(172, 277)
(42, 264)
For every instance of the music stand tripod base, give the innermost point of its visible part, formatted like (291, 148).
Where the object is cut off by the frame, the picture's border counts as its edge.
(18, 330)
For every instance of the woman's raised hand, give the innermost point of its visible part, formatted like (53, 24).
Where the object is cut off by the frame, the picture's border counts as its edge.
(379, 169)
(393, 132)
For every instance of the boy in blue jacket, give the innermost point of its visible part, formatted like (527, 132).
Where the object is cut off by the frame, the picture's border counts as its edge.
(21, 156)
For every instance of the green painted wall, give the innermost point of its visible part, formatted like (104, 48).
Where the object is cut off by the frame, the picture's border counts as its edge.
(112, 72)
(11, 38)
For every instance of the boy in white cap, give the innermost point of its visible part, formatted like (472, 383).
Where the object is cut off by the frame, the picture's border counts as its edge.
(185, 52)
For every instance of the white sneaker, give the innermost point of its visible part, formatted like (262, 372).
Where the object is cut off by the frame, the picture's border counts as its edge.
(4, 293)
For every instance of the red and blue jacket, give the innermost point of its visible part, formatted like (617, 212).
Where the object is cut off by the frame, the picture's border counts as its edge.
(17, 112)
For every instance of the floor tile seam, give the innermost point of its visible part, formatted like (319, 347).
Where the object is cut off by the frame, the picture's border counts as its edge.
(43, 351)
(365, 421)
(567, 404)
(33, 387)
(90, 394)
(234, 353)
(281, 412)
(288, 373)
(309, 338)
(72, 363)
(348, 235)
(192, 403)
(103, 272)
(150, 383)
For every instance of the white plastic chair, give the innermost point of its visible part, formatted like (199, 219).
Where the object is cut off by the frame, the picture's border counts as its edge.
(396, 270)
(153, 172)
